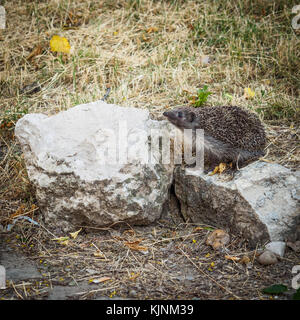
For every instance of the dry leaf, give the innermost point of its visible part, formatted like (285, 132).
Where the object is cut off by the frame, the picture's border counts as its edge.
(197, 229)
(249, 93)
(61, 240)
(231, 258)
(152, 29)
(145, 39)
(244, 260)
(98, 254)
(133, 242)
(75, 234)
(219, 169)
(18, 212)
(193, 99)
(222, 167)
(135, 245)
(130, 232)
(60, 44)
(99, 280)
(218, 239)
(134, 276)
(35, 52)
(216, 169)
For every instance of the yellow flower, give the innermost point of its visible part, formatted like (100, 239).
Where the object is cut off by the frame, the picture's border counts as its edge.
(60, 44)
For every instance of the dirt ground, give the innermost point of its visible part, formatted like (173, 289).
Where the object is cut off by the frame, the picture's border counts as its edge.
(161, 261)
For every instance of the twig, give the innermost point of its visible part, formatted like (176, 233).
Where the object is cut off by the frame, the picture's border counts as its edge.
(96, 290)
(174, 238)
(16, 291)
(48, 231)
(24, 289)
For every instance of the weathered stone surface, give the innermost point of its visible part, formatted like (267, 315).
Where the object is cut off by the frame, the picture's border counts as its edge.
(261, 202)
(64, 157)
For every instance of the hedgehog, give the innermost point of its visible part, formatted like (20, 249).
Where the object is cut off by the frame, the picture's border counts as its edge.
(231, 134)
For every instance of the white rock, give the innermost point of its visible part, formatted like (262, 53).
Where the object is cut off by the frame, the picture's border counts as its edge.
(277, 247)
(260, 202)
(65, 155)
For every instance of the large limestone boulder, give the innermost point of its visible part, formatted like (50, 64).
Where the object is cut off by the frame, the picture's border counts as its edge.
(261, 202)
(91, 165)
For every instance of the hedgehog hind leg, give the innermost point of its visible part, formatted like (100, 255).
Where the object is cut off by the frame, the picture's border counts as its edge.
(245, 157)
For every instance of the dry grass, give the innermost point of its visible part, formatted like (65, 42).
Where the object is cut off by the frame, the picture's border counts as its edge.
(113, 44)
(150, 54)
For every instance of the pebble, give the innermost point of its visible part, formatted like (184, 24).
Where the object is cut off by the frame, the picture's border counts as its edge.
(132, 294)
(267, 257)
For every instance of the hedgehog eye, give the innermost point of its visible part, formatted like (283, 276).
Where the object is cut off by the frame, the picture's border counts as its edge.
(180, 114)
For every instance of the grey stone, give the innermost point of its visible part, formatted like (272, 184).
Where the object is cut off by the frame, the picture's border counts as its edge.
(259, 202)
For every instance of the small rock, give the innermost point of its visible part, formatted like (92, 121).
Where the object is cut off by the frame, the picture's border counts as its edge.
(277, 247)
(91, 271)
(267, 257)
(132, 294)
(144, 252)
